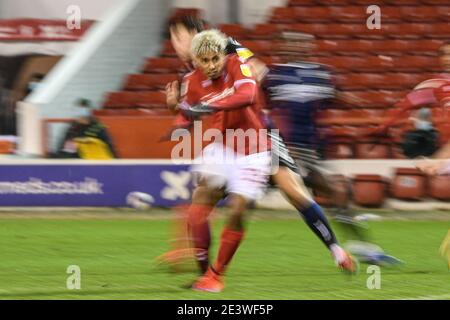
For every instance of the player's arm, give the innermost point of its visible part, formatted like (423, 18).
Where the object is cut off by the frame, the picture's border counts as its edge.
(183, 118)
(412, 100)
(245, 89)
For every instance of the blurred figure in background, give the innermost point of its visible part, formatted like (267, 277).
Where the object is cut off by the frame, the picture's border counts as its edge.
(430, 92)
(86, 138)
(297, 89)
(424, 139)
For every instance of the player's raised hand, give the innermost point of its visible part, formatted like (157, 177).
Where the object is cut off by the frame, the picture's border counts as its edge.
(172, 95)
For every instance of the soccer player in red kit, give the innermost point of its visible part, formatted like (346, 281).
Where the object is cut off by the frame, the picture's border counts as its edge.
(224, 86)
(286, 177)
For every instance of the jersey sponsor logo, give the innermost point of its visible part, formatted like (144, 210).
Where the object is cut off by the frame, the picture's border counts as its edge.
(244, 53)
(245, 69)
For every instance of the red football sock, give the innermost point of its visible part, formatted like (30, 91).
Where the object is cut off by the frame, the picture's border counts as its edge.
(200, 232)
(229, 243)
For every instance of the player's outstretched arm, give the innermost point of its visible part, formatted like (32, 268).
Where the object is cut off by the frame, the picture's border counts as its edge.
(243, 96)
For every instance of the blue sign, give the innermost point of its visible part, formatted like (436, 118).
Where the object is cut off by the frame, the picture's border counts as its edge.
(87, 185)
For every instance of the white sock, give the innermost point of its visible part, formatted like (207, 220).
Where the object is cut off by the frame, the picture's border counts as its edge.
(338, 253)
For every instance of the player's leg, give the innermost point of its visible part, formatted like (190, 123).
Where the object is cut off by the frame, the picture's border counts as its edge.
(297, 194)
(204, 200)
(193, 225)
(358, 244)
(230, 240)
(192, 234)
(246, 182)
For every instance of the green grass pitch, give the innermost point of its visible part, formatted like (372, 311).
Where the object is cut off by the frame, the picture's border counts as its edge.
(279, 259)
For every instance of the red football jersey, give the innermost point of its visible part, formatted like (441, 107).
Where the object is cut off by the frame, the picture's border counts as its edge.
(236, 97)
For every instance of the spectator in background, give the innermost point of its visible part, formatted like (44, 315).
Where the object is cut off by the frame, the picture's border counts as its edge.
(424, 139)
(86, 138)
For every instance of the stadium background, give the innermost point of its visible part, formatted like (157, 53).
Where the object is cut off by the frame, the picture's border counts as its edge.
(121, 60)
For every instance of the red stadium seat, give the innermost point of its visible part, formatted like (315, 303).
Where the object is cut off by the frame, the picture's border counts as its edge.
(377, 64)
(359, 81)
(347, 47)
(181, 12)
(283, 15)
(444, 12)
(167, 49)
(439, 187)
(362, 2)
(369, 190)
(397, 151)
(148, 81)
(316, 29)
(312, 14)
(121, 99)
(345, 63)
(398, 81)
(387, 30)
(420, 13)
(234, 30)
(349, 14)
(300, 14)
(390, 14)
(372, 114)
(434, 2)
(301, 3)
(377, 99)
(270, 59)
(134, 112)
(333, 132)
(330, 113)
(408, 184)
(425, 47)
(151, 99)
(339, 149)
(332, 2)
(439, 30)
(372, 149)
(386, 81)
(259, 46)
(163, 65)
(416, 64)
(265, 31)
(328, 30)
(401, 2)
(411, 31)
(444, 133)
(391, 47)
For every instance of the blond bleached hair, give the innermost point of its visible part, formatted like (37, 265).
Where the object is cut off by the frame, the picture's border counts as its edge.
(208, 41)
